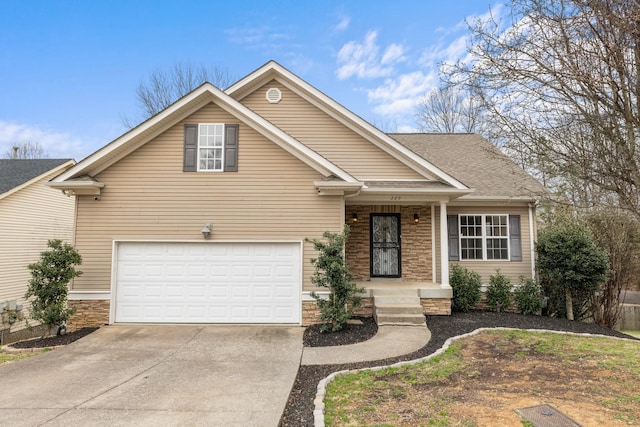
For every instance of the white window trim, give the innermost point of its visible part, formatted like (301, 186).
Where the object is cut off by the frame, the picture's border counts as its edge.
(484, 238)
(222, 148)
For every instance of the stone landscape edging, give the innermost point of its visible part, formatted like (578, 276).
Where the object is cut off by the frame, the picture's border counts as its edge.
(318, 412)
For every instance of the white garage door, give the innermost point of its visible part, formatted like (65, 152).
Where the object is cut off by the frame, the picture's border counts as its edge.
(208, 282)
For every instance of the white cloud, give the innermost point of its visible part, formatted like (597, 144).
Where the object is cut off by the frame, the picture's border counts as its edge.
(392, 54)
(362, 59)
(407, 76)
(56, 144)
(398, 97)
(261, 38)
(343, 22)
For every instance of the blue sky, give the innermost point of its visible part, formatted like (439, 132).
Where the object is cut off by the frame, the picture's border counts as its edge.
(69, 69)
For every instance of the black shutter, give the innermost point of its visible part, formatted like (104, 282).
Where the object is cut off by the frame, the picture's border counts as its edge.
(190, 157)
(454, 241)
(231, 148)
(514, 237)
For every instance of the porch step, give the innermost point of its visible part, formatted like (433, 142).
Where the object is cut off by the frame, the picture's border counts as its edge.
(397, 307)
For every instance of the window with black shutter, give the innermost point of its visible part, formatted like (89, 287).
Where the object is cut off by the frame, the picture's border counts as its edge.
(210, 147)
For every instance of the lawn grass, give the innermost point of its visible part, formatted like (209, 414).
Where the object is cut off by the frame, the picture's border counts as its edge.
(427, 394)
(14, 357)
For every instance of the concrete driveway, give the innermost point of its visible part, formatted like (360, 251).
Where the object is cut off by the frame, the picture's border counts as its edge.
(192, 375)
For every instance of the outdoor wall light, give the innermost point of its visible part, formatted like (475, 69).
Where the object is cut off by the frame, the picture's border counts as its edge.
(416, 218)
(206, 231)
(354, 218)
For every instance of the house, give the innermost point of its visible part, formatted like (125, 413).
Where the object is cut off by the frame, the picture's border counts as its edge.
(200, 213)
(31, 213)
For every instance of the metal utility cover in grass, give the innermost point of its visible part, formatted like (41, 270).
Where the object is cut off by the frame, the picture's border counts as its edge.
(546, 416)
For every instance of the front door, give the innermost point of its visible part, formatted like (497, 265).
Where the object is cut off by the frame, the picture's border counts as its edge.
(385, 245)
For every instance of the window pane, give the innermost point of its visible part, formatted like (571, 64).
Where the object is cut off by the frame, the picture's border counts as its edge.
(210, 144)
(496, 225)
(471, 225)
(211, 135)
(497, 249)
(471, 248)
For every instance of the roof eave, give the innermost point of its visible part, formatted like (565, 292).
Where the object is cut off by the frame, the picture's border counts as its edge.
(499, 199)
(78, 188)
(337, 188)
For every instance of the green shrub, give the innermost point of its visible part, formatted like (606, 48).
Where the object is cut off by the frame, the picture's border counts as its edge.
(466, 288)
(331, 272)
(49, 282)
(528, 296)
(571, 266)
(499, 292)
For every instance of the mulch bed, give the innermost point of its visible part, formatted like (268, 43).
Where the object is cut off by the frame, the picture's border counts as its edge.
(54, 340)
(299, 410)
(362, 329)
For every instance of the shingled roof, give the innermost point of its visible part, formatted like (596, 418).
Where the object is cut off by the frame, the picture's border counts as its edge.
(15, 172)
(475, 162)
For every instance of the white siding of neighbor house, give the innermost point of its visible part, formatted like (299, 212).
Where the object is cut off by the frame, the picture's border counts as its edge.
(147, 196)
(29, 218)
(327, 136)
(512, 269)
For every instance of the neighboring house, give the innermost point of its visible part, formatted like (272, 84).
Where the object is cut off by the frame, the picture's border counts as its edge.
(31, 213)
(200, 214)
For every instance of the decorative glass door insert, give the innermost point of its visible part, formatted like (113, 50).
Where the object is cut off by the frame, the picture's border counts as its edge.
(385, 245)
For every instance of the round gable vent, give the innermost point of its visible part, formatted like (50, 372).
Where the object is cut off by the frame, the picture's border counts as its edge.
(274, 95)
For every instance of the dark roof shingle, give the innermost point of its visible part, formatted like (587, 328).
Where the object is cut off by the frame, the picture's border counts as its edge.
(475, 162)
(15, 172)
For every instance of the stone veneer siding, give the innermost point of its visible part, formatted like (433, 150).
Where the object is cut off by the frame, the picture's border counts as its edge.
(311, 312)
(89, 313)
(436, 306)
(430, 306)
(416, 241)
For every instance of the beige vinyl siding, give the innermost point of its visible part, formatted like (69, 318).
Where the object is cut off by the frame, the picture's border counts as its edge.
(512, 269)
(148, 196)
(28, 219)
(328, 137)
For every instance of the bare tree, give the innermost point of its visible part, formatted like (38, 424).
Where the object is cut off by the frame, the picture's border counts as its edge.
(163, 87)
(26, 150)
(619, 234)
(561, 79)
(449, 109)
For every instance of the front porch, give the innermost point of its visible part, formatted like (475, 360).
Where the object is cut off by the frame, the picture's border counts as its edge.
(424, 289)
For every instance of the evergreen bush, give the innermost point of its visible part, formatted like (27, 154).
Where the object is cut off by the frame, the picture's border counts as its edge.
(466, 288)
(331, 272)
(528, 296)
(49, 283)
(499, 292)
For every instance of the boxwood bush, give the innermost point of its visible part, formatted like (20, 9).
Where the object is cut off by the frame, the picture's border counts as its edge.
(528, 296)
(466, 288)
(499, 292)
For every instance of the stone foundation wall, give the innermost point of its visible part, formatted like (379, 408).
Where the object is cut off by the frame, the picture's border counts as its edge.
(366, 309)
(436, 306)
(89, 313)
(311, 312)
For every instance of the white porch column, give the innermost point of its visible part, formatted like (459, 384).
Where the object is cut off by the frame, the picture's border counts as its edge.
(532, 206)
(444, 247)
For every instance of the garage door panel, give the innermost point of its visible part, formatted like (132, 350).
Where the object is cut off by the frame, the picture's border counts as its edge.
(208, 282)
